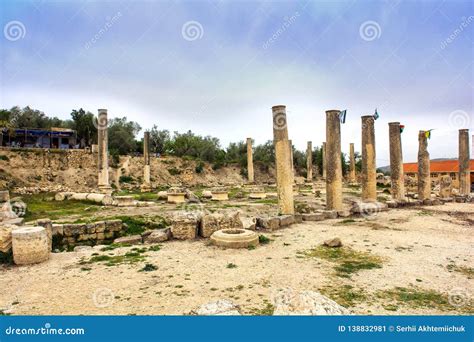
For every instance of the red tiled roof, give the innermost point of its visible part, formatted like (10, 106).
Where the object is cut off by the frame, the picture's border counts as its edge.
(437, 166)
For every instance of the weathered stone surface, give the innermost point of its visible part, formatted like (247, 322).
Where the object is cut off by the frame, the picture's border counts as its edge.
(30, 245)
(343, 213)
(158, 236)
(249, 223)
(80, 249)
(308, 303)
(220, 196)
(367, 208)
(298, 218)
(4, 196)
(6, 237)
(221, 307)
(332, 161)
(221, 220)
(424, 178)
(124, 201)
(286, 220)
(445, 186)
(368, 172)
(176, 197)
(314, 217)
(269, 223)
(162, 195)
(235, 238)
(130, 240)
(191, 197)
(207, 194)
(335, 242)
(184, 227)
(392, 204)
(330, 214)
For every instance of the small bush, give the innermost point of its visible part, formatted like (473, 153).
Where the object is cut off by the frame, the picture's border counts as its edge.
(125, 179)
(174, 171)
(263, 239)
(149, 268)
(199, 167)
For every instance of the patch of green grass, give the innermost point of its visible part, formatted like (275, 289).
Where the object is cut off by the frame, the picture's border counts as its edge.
(345, 295)
(347, 221)
(154, 248)
(43, 205)
(416, 297)
(231, 265)
(348, 261)
(148, 268)
(113, 246)
(262, 239)
(425, 212)
(136, 225)
(266, 310)
(114, 260)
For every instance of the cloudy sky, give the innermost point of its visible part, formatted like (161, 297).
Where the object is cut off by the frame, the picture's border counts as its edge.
(217, 67)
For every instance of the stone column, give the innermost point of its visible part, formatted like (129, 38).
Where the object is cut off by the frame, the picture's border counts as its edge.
(292, 161)
(283, 161)
(396, 161)
(324, 160)
(332, 161)
(464, 167)
(250, 173)
(424, 178)
(352, 164)
(103, 149)
(309, 162)
(369, 170)
(146, 186)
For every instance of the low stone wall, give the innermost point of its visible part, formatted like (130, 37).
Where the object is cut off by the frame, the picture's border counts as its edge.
(68, 235)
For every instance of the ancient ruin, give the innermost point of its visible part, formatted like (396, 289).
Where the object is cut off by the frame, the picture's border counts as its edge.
(424, 178)
(250, 172)
(103, 155)
(146, 186)
(464, 167)
(369, 173)
(352, 164)
(396, 162)
(309, 162)
(332, 158)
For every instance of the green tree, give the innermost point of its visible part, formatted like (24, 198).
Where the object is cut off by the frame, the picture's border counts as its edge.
(159, 140)
(83, 123)
(122, 135)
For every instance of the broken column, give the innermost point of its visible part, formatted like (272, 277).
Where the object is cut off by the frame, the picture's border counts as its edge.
(396, 161)
(464, 167)
(352, 165)
(445, 187)
(309, 162)
(324, 160)
(369, 170)
(283, 161)
(424, 179)
(250, 173)
(102, 139)
(332, 161)
(146, 186)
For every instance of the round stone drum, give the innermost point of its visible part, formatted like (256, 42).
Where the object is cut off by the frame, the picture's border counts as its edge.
(234, 238)
(30, 245)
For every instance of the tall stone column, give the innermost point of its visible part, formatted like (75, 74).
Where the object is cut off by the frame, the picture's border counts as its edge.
(332, 161)
(103, 148)
(283, 161)
(146, 186)
(424, 178)
(352, 164)
(324, 160)
(250, 173)
(309, 162)
(396, 161)
(369, 170)
(464, 167)
(292, 161)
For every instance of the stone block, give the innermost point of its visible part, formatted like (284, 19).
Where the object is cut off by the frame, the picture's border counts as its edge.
(392, 204)
(129, 240)
(343, 213)
(30, 245)
(58, 229)
(269, 223)
(113, 226)
(286, 220)
(184, 227)
(313, 217)
(330, 214)
(298, 218)
(158, 236)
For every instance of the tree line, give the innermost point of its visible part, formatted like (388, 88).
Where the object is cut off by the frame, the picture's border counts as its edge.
(122, 135)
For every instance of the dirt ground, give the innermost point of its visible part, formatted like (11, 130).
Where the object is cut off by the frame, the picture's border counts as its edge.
(421, 249)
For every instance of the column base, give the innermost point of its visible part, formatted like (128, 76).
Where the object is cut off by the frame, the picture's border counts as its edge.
(105, 189)
(145, 187)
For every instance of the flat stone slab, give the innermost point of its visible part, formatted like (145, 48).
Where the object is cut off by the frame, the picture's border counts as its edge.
(234, 238)
(367, 208)
(158, 236)
(313, 217)
(330, 214)
(130, 240)
(343, 213)
(286, 220)
(221, 307)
